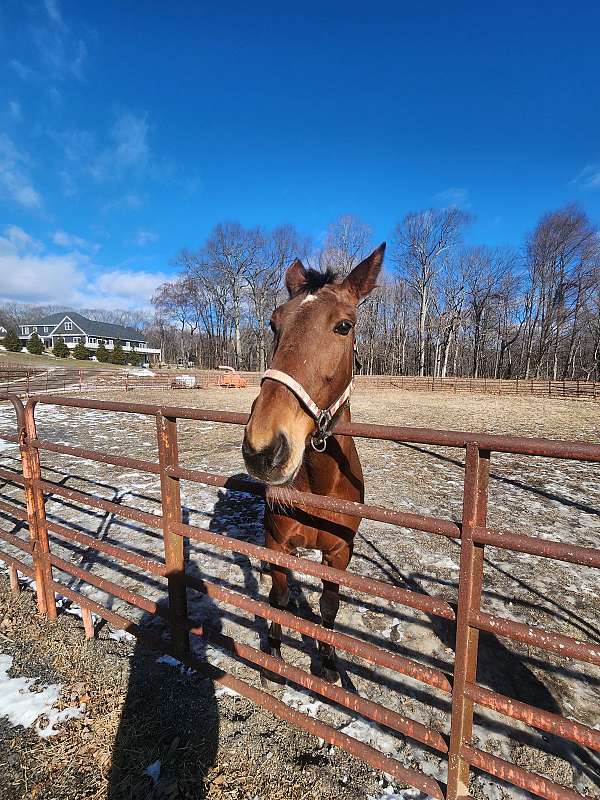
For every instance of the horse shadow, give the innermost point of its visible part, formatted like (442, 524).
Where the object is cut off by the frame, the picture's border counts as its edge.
(504, 671)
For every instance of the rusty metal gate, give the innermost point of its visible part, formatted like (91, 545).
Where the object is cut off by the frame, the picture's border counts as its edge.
(472, 533)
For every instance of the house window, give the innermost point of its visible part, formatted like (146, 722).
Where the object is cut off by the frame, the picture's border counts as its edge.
(92, 340)
(26, 329)
(68, 326)
(46, 328)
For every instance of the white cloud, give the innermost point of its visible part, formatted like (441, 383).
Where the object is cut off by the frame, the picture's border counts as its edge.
(128, 151)
(23, 71)
(143, 238)
(14, 181)
(15, 110)
(64, 239)
(130, 284)
(454, 197)
(32, 275)
(53, 11)
(128, 202)
(19, 240)
(589, 177)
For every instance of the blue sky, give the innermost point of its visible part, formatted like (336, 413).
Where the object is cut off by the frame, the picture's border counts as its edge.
(127, 130)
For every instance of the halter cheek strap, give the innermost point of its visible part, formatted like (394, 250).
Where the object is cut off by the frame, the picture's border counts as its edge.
(323, 417)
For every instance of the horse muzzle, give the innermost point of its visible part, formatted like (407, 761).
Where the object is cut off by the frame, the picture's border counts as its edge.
(270, 463)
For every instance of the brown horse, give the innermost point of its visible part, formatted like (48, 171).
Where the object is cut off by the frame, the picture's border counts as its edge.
(290, 437)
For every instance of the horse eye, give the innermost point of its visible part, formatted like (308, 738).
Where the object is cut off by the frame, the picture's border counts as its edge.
(343, 328)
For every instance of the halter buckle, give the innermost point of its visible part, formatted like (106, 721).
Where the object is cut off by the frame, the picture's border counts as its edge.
(323, 421)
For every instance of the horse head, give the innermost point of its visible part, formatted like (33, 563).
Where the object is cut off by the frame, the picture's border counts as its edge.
(309, 379)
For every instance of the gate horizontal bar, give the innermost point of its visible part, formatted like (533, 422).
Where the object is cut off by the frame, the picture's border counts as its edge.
(537, 637)
(20, 544)
(50, 487)
(18, 565)
(511, 773)
(372, 653)
(11, 476)
(354, 747)
(147, 564)
(293, 496)
(536, 717)
(370, 586)
(14, 511)
(554, 448)
(374, 711)
(97, 455)
(573, 553)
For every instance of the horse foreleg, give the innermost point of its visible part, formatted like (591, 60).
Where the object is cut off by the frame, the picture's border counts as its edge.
(330, 603)
(279, 597)
(339, 558)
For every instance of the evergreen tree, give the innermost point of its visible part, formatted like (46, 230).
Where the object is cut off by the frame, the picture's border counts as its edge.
(60, 349)
(135, 359)
(102, 353)
(12, 342)
(80, 352)
(35, 345)
(118, 354)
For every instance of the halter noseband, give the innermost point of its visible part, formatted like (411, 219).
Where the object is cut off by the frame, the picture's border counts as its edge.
(323, 416)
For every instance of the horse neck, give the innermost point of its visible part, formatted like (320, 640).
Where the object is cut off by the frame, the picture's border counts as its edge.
(330, 471)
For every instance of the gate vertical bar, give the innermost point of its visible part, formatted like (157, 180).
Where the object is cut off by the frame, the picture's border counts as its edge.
(35, 498)
(477, 469)
(173, 543)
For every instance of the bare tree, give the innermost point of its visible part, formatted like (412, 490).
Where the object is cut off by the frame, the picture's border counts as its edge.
(347, 243)
(419, 242)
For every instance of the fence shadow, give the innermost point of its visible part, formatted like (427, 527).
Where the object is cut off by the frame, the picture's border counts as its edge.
(170, 719)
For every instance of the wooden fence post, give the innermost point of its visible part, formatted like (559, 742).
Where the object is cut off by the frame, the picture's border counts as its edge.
(173, 541)
(477, 467)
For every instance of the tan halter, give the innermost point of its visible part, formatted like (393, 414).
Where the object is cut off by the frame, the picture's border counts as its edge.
(323, 416)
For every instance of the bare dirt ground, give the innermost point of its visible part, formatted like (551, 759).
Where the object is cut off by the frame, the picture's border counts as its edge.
(548, 498)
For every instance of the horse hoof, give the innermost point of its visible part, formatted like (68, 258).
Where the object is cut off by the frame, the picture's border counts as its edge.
(330, 675)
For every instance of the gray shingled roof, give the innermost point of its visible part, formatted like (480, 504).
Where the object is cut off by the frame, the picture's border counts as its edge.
(102, 329)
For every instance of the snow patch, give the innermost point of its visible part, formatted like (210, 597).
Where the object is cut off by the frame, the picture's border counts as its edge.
(389, 793)
(301, 702)
(24, 706)
(153, 772)
(371, 734)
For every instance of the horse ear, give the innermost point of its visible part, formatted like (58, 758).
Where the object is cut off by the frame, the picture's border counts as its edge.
(295, 277)
(363, 278)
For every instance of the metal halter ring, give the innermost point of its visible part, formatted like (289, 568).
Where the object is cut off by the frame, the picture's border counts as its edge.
(319, 438)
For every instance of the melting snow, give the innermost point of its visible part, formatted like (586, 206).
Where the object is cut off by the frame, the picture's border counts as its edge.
(23, 706)
(389, 793)
(153, 771)
(301, 701)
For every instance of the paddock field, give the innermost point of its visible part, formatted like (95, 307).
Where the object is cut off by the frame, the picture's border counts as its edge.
(544, 497)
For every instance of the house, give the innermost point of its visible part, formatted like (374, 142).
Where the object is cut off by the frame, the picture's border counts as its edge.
(74, 328)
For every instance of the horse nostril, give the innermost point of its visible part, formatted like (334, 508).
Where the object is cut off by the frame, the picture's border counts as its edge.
(281, 450)
(269, 458)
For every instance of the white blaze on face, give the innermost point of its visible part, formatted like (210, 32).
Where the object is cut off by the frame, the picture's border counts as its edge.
(308, 299)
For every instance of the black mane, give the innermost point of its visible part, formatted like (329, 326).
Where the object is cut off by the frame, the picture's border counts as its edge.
(315, 280)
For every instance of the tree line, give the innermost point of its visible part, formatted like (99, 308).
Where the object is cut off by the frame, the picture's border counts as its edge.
(443, 307)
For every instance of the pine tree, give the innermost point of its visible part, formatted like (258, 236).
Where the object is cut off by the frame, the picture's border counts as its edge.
(12, 342)
(80, 352)
(118, 354)
(102, 353)
(35, 345)
(60, 349)
(135, 359)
